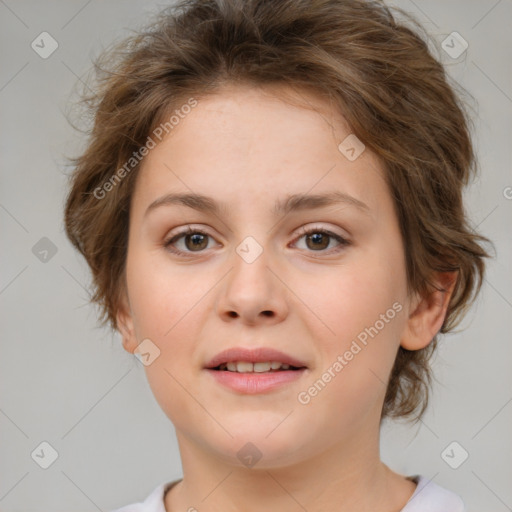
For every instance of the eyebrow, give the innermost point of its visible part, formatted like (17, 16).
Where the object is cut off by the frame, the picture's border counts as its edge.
(294, 202)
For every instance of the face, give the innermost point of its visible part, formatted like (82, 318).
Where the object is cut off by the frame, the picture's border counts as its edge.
(322, 281)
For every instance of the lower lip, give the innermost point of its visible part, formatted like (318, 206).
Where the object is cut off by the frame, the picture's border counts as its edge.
(254, 383)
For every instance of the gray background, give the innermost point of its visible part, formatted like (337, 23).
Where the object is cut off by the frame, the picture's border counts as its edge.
(69, 383)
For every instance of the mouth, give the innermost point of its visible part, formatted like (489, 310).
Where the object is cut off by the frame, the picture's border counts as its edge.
(259, 367)
(256, 360)
(254, 371)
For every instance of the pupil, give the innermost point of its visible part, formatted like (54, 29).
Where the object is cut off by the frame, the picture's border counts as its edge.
(318, 237)
(196, 239)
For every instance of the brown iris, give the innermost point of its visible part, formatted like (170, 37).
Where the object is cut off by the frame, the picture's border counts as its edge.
(320, 240)
(198, 241)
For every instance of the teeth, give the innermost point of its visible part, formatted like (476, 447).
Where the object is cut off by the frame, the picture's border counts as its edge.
(262, 367)
(246, 367)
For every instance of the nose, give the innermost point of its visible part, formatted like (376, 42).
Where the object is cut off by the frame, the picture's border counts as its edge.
(252, 293)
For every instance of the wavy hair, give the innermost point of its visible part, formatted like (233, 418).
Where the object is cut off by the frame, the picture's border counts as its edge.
(391, 89)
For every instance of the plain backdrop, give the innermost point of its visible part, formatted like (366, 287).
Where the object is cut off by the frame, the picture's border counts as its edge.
(68, 383)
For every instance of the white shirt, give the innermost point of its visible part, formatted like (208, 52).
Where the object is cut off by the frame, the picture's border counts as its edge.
(428, 497)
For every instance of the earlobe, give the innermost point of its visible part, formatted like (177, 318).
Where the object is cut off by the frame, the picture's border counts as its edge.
(125, 326)
(428, 313)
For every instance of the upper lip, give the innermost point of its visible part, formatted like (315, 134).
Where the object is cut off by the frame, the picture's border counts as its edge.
(255, 355)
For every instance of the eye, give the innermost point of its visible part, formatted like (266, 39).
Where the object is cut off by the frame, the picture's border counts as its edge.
(318, 239)
(194, 240)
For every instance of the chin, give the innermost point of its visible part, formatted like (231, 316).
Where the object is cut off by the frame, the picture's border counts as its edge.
(255, 448)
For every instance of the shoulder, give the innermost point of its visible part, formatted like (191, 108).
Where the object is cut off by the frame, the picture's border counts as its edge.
(153, 503)
(430, 497)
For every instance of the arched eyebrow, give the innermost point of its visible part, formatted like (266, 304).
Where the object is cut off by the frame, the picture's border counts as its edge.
(294, 202)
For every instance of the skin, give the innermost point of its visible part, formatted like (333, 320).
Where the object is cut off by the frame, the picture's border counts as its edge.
(248, 147)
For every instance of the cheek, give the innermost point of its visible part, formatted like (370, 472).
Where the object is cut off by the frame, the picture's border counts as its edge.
(160, 295)
(165, 308)
(362, 303)
(168, 304)
(353, 297)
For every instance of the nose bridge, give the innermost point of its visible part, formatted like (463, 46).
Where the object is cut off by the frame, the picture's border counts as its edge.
(251, 290)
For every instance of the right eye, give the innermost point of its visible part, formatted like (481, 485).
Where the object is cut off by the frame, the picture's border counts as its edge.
(193, 240)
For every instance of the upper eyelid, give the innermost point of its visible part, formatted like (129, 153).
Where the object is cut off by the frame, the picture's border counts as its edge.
(301, 231)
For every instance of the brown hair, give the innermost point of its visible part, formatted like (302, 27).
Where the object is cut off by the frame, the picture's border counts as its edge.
(380, 74)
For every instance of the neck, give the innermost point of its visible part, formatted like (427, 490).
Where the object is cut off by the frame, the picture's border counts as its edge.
(334, 480)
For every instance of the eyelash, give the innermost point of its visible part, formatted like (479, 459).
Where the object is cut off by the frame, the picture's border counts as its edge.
(343, 242)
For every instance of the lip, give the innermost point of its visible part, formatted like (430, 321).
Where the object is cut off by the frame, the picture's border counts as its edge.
(256, 355)
(255, 383)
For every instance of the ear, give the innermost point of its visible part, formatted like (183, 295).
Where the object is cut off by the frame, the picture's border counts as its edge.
(124, 318)
(428, 313)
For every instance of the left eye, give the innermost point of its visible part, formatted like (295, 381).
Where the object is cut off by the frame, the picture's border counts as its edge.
(195, 240)
(319, 239)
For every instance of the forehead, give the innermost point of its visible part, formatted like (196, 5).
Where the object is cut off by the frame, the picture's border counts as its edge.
(245, 143)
